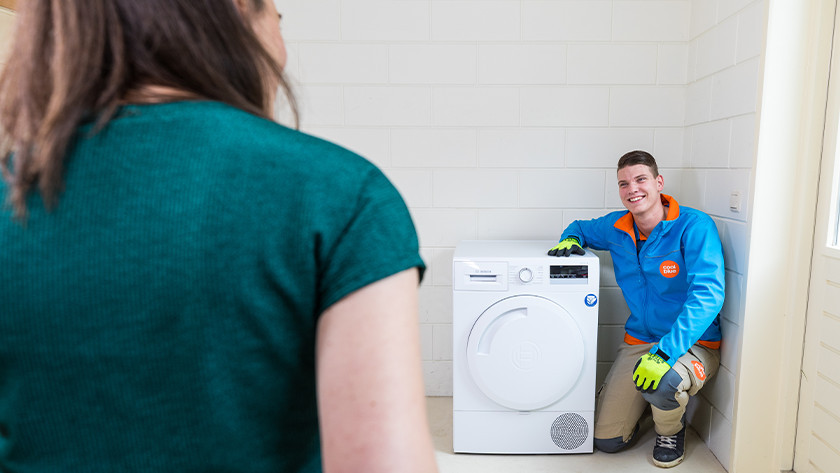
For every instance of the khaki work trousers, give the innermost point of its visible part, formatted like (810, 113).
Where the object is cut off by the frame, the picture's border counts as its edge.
(620, 406)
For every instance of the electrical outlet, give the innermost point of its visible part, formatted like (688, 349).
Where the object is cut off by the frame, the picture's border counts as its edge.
(735, 202)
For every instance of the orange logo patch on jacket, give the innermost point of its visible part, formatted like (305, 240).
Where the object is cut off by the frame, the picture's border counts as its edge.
(669, 269)
(699, 370)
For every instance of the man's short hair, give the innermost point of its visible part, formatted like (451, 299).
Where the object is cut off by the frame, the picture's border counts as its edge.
(638, 157)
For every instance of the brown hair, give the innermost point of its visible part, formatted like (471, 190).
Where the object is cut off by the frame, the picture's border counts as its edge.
(74, 60)
(638, 157)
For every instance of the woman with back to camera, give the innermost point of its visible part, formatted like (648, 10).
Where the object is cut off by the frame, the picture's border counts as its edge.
(186, 285)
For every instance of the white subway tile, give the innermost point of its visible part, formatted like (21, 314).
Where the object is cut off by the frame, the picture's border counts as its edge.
(437, 148)
(445, 227)
(437, 377)
(609, 338)
(613, 308)
(427, 341)
(733, 236)
(731, 310)
(387, 106)
(384, 20)
(440, 266)
(698, 99)
(566, 189)
(716, 48)
(703, 16)
(415, 185)
(692, 186)
(565, 106)
(719, 186)
(699, 415)
(612, 64)
(310, 20)
(443, 342)
(488, 20)
(742, 147)
(672, 64)
(720, 438)
(710, 145)
(433, 64)
(750, 32)
(692, 61)
(521, 64)
(475, 188)
(435, 304)
(521, 147)
(601, 147)
(476, 106)
(520, 224)
(611, 198)
(371, 143)
(292, 67)
(669, 147)
(320, 105)
(731, 335)
(720, 391)
(735, 90)
(337, 63)
(570, 216)
(662, 20)
(647, 106)
(566, 20)
(607, 268)
(728, 7)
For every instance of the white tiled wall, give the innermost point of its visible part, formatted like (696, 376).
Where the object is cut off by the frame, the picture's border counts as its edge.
(503, 119)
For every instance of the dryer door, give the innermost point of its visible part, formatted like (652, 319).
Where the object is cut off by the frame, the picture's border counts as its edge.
(525, 352)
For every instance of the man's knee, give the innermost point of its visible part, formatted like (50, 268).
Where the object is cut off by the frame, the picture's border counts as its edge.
(610, 445)
(664, 397)
(616, 444)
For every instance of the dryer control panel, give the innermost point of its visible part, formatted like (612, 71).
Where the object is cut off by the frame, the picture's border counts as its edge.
(490, 266)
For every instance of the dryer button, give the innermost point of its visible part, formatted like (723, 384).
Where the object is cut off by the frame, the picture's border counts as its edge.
(526, 275)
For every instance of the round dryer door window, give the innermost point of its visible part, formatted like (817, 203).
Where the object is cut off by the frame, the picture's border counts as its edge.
(525, 352)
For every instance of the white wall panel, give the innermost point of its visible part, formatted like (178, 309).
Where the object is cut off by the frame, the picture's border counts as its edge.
(566, 106)
(432, 63)
(387, 20)
(662, 20)
(522, 64)
(521, 147)
(612, 64)
(558, 20)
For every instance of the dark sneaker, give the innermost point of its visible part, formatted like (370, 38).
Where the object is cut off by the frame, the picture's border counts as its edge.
(669, 450)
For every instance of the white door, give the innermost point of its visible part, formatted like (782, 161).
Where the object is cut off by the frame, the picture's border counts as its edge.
(525, 352)
(818, 424)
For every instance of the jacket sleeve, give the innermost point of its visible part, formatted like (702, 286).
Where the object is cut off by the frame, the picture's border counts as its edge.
(590, 233)
(703, 256)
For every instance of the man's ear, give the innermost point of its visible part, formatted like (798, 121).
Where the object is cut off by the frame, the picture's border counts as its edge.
(660, 181)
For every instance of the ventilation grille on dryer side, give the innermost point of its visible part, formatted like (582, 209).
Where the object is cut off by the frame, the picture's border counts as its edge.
(569, 431)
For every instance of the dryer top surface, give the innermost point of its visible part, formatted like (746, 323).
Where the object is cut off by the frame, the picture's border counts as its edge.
(509, 249)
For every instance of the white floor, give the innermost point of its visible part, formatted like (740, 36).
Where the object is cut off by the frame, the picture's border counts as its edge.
(637, 458)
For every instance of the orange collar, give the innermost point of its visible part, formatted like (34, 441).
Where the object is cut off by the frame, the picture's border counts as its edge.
(625, 223)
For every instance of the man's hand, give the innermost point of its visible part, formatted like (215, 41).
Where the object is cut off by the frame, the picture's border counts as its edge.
(567, 247)
(649, 371)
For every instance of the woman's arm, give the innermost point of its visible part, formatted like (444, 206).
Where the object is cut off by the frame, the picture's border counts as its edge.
(371, 400)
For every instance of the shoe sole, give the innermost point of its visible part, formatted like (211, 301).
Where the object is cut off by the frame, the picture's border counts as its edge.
(668, 464)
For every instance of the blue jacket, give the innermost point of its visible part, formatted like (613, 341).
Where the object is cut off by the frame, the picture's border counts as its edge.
(674, 285)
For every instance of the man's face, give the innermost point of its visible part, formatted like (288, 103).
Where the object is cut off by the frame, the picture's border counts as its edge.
(639, 189)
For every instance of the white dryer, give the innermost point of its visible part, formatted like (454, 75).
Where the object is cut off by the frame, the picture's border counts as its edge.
(524, 331)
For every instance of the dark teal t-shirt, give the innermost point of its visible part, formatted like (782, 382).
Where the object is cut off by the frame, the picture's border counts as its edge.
(162, 317)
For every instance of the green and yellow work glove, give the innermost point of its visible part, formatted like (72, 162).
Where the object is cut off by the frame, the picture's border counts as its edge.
(649, 371)
(567, 247)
